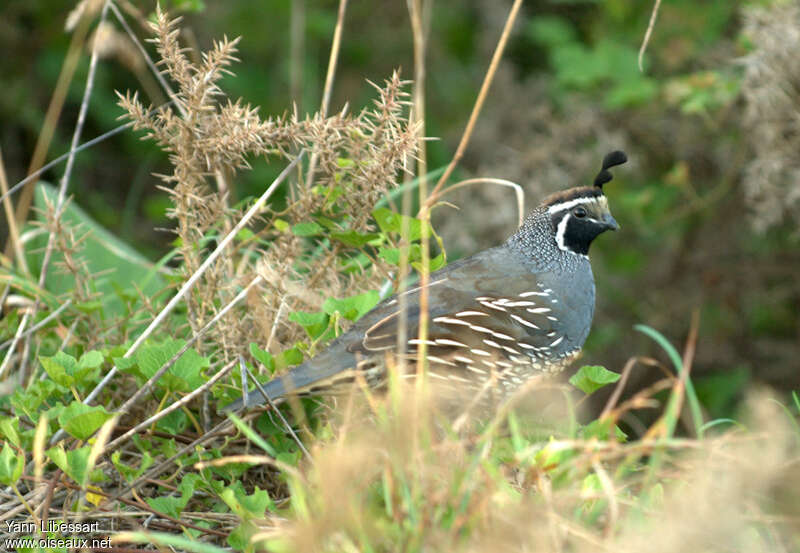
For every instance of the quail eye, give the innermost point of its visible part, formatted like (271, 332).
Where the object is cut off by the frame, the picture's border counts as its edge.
(579, 212)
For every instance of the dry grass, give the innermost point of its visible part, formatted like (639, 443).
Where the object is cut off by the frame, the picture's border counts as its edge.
(404, 483)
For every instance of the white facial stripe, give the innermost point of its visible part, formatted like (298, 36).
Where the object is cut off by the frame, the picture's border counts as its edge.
(570, 204)
(560, 230)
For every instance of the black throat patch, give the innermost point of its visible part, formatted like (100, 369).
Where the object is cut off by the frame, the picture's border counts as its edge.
(574, 234)
(579, 235)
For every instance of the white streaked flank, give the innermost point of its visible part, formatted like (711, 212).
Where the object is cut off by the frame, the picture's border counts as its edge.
(526, 294)
(471, 313)
(522, 321)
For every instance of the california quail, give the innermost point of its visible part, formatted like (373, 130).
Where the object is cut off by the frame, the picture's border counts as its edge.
(507, 313)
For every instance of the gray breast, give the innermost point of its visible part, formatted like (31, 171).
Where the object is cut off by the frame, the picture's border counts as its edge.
(573, 288)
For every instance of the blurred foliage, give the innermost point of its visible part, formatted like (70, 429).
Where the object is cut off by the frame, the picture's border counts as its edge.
(687, 240)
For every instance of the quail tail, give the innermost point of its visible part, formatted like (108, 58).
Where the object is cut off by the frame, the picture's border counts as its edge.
(332, 366)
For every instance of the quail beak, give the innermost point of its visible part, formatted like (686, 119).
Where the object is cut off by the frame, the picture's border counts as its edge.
(610, 222)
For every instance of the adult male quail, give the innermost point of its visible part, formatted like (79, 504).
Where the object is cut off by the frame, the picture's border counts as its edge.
(497, 318)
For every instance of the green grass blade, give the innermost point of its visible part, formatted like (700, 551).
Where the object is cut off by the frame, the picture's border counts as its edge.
(672, 353)
(252, 435)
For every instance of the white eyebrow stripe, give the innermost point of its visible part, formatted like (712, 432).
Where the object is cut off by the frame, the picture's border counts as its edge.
(570, 204)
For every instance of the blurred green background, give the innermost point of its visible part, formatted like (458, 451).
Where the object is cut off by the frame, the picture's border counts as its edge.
(708, 203)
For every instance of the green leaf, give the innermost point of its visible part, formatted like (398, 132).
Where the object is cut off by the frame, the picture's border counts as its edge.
(393, 255)
(9, 428)
(309, 228)
(289, 357)
(11, 465)
(74, 463)
(60, 368)
(88, 362)
(354, 307)
(315, 324)
(64, 370)
(252, 435)
(390, 222)
(184, 376)
(434, 264)
(128, 472)
(171, 505)
(81, 421)
(437, 262)
(173, 423)
(552, 455)
(29, 401)
(672, 353)
(353, 238)
(243, 505)
(262, 356)
(602, 430)
(281, 225)
(591, 378)
(327, 222)
(245, 235)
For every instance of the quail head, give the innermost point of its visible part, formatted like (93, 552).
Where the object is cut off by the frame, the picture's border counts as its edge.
(496, 319)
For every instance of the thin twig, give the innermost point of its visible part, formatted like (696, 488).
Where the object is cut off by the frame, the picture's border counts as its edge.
(612, 401)
(62, 187)
(36, 174)
(520, 194)
(476, 109)
(418, 109)
(274, 329)
(648, 33)
(41, 323)
(222, 427)
(173, 407)
(276, 410)
(426, 203)
(161, 80)
(13, 230)
(326, 93)
(14, 341)
(54, 110)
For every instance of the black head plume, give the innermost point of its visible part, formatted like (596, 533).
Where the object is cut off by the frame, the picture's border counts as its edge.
(612, 159)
